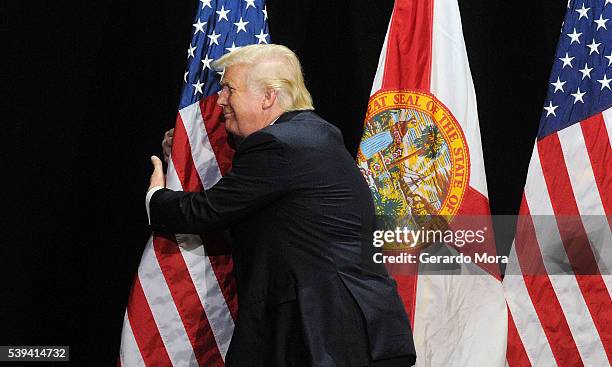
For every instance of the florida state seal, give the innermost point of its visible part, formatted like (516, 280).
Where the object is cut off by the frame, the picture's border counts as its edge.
(415, 159)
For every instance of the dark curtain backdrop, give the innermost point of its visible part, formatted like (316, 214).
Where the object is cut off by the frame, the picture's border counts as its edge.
(90, 87)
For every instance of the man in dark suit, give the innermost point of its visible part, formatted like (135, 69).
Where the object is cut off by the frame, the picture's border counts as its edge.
(301, 218)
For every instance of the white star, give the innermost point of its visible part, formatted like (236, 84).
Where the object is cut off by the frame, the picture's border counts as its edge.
(198, 87)
(566, 60)
(233, 48)
(206, 3)
(241, 25)
(583, 12)
(222, 13)
(586, 72)
(190, 51)
(550, 109)
(558, 85)
(605, 82)
(594, 47)
(608, 2)
(250, 3)
(214, 38)
(261, 37)
(206, 62)
(199, 26)
(574, 36)
(185, 76)
(578, 96)
(265, 11)
(609, 57)
(601, 22)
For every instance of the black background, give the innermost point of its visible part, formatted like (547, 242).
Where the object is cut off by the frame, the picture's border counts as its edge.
(90, 87)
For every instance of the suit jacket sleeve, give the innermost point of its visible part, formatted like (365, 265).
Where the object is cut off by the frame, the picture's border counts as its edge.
(260, 173)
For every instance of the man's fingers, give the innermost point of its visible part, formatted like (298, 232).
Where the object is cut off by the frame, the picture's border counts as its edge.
(167, 143)
(157, 177)
(157, 164)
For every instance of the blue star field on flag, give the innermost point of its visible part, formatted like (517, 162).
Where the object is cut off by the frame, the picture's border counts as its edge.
(220, 27)
(581, 79)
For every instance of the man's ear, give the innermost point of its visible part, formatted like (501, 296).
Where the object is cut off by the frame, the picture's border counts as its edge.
(269, 98)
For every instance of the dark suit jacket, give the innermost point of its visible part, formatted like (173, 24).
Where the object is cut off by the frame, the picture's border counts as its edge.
(300, 214)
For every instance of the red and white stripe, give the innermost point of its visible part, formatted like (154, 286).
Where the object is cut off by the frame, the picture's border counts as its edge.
(458, 320)
(182, 306)
(558, 287)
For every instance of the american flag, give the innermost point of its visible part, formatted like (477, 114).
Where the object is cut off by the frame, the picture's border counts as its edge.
(182, 306)
(558, 280)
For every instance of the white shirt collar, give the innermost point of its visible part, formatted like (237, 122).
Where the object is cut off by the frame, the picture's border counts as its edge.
(272, 123)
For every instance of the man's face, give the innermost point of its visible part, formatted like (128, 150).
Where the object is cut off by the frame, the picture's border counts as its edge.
(242, 107)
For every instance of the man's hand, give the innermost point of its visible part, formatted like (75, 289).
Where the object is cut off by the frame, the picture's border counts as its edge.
(157, 177)
(167, 143)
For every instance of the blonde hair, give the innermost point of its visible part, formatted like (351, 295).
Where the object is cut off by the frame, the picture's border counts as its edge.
(272, 66)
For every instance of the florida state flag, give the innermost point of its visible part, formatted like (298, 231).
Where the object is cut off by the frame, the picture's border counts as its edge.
(421, 156)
